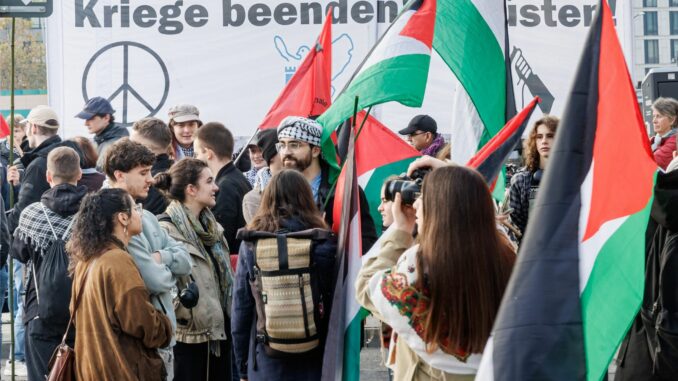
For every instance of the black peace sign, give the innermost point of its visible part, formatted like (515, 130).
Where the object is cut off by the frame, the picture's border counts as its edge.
(125, 88)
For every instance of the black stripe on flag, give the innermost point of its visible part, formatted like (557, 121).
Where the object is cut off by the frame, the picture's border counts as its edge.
(538, 332)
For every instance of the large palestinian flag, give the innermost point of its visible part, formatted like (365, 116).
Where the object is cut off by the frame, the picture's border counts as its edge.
(578, 282)
(470, 36)
(341, 360)
(395, 70)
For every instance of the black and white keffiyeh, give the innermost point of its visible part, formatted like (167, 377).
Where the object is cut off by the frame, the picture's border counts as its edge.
(34, 228)
(302, 129)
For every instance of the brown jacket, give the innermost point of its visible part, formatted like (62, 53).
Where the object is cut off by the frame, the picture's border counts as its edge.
(408, 365)
(118, 330)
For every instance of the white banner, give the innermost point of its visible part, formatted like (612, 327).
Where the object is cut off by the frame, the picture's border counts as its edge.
(231, 58)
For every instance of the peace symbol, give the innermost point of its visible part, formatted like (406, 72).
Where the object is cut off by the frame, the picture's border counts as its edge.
(125, 89)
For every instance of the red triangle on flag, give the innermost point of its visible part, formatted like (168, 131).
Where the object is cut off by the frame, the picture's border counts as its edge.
(309, 91)
(4, 127)
(420, 25)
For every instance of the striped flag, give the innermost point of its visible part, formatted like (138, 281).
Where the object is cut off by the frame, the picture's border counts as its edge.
(309, 91)
(490, 159)
(470, 36)
(395, 70)
(379, 153)
(341, 360)
(578, 282)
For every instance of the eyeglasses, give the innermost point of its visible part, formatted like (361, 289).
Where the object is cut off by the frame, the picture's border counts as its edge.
(291, 146)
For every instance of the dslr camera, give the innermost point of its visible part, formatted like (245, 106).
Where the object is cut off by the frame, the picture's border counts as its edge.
(189, 296)
(409, 187)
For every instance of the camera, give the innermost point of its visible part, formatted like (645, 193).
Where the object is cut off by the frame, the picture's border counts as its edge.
(189, 296)
(408, 187)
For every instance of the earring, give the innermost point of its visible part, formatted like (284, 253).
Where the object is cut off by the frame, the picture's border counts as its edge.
(124, 229)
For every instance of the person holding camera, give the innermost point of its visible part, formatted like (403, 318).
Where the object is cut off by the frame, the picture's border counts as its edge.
(202, 351)
(440, 295)
(525, 183)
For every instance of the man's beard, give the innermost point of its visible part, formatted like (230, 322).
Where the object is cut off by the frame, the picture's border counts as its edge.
(298, 164)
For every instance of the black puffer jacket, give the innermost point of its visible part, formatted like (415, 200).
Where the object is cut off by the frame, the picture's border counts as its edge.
(650, 350)
(33, 182)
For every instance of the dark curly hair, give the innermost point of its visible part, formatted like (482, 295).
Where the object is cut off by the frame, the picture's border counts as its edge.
(125, 155)
(530, 152)
(93, 226)
(183, 173)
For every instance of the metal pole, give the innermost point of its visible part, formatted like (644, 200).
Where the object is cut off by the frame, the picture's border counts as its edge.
(11, 196)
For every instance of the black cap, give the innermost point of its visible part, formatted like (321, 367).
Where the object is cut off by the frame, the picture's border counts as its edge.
(95, 106)
(420, 123)
(266, 140)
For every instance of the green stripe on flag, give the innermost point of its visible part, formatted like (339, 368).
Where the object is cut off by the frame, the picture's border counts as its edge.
(614, 292)
(401, 78)
(352, 347)
(376, 181)
(467, 44)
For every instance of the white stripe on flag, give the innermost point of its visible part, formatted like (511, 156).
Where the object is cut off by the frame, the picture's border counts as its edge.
(394, 46)
(588, 250)
(466, 127)
(494, 17)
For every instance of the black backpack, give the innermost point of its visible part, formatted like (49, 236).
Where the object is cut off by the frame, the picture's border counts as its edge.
(51, 280)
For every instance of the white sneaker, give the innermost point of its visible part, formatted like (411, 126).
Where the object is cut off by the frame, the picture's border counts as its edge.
(20, 369)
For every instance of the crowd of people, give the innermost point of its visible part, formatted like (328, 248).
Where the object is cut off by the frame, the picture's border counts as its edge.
(175, 262)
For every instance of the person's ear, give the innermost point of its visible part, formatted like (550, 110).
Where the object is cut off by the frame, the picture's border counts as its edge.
(315, 151)
(49, 177)
(191, 190)
(119, 176)
(123, 219)
(79, 174)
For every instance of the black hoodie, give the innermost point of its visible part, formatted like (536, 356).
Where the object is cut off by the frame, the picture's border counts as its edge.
(650, 350)
(34, 182)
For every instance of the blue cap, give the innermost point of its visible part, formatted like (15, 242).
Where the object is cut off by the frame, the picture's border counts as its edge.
(95, 106)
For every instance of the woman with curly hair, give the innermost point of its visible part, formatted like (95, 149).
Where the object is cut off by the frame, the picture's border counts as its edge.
(524, 184)
(441, 294)
(118, 329)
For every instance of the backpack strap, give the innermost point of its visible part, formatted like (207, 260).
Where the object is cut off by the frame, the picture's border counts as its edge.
(48, 221)
(283, 259)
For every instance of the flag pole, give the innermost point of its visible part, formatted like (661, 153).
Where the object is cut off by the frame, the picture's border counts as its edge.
(362, 124)
(11, 194)
(242, 151)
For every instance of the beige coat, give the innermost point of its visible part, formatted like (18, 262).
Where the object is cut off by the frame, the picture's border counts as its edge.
(408, 365)
(205, 321)
(118, 331)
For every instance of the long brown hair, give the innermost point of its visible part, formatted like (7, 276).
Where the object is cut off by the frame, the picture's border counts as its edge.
(530, 151)
(287, 195)
(467, 264)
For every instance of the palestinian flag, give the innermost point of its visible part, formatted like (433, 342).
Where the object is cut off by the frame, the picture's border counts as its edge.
(309, 91)
(341, 359)
(395, 70)
(379, 154)
(490, 159)
(578, 282)
(470, 36)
